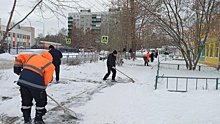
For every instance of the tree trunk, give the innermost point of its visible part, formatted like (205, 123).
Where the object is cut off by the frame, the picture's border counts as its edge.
(198, 56)
(133, 42)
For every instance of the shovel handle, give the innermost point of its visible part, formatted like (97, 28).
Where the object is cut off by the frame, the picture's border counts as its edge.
(123, 74)
(57, 102)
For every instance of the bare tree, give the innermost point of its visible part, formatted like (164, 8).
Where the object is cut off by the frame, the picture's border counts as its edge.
(176, 18)
(131, 26)
(127, 20)
(62, 35)
(56, 7)
(77, 37)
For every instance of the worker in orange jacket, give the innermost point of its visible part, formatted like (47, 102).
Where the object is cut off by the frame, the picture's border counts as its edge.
(146, 58)
(35, 72)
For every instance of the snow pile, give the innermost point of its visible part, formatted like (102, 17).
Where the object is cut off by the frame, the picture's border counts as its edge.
(7, 56)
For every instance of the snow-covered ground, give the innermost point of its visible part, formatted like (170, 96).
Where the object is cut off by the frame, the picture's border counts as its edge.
(98, 102)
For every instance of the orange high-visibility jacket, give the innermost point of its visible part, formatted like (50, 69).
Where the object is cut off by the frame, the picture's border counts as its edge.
(37, 70)
(147, 55)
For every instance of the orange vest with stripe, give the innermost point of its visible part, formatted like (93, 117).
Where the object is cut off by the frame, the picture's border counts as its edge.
(37, 70)
(147, 55)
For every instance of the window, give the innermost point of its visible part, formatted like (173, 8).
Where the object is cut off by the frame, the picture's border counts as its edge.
(216, 49)
(207, 50)
(211, 50)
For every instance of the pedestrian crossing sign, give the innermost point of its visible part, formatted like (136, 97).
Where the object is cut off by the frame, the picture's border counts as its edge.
(104, 39)
(68, 40)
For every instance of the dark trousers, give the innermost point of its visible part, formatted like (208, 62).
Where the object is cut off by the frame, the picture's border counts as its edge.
(57, 71)
(27, 96)
(151, 59)
(109, 72)
(145, 61)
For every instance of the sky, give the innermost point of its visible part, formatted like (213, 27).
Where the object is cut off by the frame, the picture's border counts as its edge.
(98, 102)
(50, 24)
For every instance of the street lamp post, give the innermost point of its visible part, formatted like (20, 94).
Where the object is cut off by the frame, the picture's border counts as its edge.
(43, 26)
(56, 33)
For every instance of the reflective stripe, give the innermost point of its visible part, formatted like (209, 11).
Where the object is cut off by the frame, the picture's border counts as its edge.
(17, 60)
(47, 65)
(26, 107)
(30, 57)
(40, 108)
(17, 65)
(31, 84)
(37, 69)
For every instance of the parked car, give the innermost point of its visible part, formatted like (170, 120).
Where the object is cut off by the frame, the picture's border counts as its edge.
(103, 55)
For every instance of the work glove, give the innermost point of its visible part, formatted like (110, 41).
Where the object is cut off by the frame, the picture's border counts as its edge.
(17, 73)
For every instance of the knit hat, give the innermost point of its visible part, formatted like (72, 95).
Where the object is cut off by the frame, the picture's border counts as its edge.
(51, 46)
(114, 52)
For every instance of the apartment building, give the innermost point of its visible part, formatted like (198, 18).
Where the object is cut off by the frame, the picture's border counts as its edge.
(86, 20)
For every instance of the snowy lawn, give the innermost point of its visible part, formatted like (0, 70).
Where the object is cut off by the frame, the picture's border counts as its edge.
(96, 102)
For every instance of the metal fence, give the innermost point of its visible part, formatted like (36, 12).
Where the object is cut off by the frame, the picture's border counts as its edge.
(183, 67)
(183, 84)
(88, 57)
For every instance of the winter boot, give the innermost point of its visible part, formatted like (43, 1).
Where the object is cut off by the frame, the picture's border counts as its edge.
(39, 116)
(28, 122)
(27, 115)
(39, 122)
(114, 81)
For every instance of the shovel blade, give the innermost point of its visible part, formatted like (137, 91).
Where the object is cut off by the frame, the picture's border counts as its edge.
(132, 80)
(70, 113)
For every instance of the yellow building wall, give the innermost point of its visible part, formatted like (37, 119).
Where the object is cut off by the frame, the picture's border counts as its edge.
(212, 48)
(211, 55)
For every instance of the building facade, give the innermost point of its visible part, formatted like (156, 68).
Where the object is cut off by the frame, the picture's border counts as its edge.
(86, 20)
(21, 37)
(32, 37)
(46, 44)
(211, 53)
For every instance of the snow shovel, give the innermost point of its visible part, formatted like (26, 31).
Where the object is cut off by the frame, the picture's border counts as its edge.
(124, 74)
(66, 110)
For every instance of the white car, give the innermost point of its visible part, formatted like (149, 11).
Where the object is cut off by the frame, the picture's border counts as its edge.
(103, 55)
